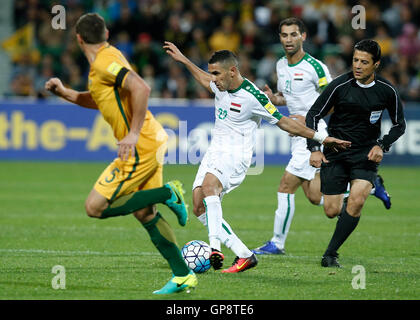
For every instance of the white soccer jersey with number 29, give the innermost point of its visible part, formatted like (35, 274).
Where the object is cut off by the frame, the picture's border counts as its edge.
(238, 114)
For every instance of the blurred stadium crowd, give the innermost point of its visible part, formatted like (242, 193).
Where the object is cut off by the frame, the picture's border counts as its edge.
(248, 27)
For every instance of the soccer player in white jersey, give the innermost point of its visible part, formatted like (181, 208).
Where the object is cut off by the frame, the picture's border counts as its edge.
(300, 79)
(239, 108)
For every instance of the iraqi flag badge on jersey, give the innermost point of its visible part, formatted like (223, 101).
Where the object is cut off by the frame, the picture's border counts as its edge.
(235, 107)
(298, 77)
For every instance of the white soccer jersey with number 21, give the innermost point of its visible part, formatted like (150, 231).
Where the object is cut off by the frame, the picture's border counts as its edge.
(300, 83)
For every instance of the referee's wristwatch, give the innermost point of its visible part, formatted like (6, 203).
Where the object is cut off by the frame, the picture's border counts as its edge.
(315, 148)
(380, 143)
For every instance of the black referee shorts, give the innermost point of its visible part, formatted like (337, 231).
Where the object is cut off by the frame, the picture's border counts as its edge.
(339, 171)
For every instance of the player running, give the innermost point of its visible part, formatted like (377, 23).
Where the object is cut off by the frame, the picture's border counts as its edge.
(132, 183)
(239, 108)
(300, 79)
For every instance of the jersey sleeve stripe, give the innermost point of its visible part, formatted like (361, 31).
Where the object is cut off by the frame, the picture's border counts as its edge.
(317, 66)
(117, 97)
(262, 99)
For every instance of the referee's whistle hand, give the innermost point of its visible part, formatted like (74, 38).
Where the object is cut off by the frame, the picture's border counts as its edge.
(375, 154)
(317, 158)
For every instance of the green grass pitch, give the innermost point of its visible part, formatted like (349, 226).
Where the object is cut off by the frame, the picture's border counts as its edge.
(43, 224)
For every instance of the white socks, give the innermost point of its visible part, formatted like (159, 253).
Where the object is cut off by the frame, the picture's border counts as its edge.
(283, 218)
(214, 220)
(224, 231)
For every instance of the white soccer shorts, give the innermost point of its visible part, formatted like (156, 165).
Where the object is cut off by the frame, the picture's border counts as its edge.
(299, 163)
(228, 167)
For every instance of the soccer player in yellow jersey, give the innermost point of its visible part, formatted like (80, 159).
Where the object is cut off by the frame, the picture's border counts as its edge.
(132, 183)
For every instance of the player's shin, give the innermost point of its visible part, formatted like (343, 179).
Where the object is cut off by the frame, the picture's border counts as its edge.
(229, 238)
(163, 238)
(135, 201)
(283, 218)
(214, 220)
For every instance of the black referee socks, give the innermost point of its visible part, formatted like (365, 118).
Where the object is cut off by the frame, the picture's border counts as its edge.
(344, 227)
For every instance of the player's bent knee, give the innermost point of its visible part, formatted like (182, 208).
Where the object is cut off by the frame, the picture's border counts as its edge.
(198, 209)
(331, 212)
(314, 200)
(355, 207)
(209, 189)
(356, 201)
(354, 214)
(331, 215)
(286, 187)
(92, 211)
(95, 204)
(198, 205)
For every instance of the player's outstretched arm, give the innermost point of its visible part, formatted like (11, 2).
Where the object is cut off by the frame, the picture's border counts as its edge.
(200, 75)
(139, 92)
(83, 99)
(298, 129)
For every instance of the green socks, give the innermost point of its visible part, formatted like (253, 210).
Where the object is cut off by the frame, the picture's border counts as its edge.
(159, 230)
(135, 201)
(164, 240)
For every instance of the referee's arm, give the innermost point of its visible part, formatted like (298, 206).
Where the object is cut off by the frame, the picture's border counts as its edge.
(396, 114)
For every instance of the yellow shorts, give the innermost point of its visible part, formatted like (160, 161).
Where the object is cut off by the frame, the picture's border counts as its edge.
(124, 177)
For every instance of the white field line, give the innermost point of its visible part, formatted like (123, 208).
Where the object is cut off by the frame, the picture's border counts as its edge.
(147, 253)
(78, 252)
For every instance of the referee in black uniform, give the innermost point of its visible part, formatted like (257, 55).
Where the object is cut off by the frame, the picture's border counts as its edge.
(356, 101)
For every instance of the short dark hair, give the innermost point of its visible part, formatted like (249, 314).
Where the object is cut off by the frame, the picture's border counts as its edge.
(91, 27)
(370, 46)
(224, 56)
(293, 21)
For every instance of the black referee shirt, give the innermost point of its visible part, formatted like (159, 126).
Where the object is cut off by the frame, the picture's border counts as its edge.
(358, 111)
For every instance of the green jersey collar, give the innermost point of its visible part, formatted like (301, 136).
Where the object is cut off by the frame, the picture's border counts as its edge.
(295, 64)
(238, 88)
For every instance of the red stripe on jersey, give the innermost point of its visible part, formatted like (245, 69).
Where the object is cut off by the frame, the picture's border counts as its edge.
(235, 105)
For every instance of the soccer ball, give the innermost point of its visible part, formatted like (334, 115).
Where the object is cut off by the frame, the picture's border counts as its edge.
(196, 254)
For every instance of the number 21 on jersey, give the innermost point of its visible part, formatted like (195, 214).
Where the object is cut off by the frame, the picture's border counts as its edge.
(288, 86)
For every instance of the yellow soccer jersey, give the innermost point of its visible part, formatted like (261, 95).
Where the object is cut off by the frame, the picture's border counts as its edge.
(106, 77)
